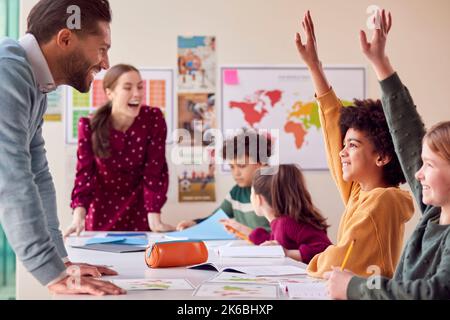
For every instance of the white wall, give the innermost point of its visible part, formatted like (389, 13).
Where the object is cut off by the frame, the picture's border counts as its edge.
(262, 32)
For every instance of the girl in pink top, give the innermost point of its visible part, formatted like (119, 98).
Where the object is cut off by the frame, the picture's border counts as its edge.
(280, 195)
(121, 175)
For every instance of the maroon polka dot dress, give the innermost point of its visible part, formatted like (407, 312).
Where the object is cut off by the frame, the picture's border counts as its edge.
(118, 192)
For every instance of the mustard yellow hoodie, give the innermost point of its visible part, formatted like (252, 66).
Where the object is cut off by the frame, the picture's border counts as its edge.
(375, 219)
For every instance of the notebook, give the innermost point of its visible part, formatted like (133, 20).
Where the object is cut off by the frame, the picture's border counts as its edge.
(251, 252)
(252, 270)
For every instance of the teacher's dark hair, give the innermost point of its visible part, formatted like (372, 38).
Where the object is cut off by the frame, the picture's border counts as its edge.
(48, 17)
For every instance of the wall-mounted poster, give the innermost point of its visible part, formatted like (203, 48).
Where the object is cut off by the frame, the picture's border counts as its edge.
(197, 64)
(55, 104)
(196, 115)
(281, 102)
(158, 88)
(196, 174)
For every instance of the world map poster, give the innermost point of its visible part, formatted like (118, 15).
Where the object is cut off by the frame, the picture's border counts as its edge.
(280, 101)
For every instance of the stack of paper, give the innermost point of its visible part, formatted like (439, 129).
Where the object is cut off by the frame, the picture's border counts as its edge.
(115, 244)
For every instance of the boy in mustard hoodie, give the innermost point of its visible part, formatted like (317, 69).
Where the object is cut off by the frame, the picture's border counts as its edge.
(366, 170)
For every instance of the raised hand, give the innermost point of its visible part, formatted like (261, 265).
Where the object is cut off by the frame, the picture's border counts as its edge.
(375, 50)
(308, 51)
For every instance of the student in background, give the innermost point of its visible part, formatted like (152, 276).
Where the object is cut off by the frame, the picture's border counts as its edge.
(121, 176)
(424, 268)
(246, 152)
(367, 172)
(279, 194)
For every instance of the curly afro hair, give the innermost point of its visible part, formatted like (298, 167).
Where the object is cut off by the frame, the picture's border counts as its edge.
(368, 116)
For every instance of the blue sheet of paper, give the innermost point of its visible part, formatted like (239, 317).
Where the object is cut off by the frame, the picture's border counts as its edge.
(209, 229)
(127, 234)
(118, 240)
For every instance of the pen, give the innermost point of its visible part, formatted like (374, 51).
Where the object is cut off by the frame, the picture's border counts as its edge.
(347, 255)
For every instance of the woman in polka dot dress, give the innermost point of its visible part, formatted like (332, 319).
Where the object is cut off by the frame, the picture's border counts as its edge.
(121, 176)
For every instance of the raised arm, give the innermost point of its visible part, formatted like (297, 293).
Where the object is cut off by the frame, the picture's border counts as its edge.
(405, 124)
(329, 105)
(309, 55)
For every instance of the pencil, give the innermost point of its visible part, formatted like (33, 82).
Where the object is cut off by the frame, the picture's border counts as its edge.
(347, 255)
(238, 233)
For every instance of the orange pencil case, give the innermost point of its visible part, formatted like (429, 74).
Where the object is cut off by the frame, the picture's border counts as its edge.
(175, 254)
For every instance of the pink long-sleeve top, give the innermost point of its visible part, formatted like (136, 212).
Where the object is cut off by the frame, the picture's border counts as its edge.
(119, 191)
(292, 235)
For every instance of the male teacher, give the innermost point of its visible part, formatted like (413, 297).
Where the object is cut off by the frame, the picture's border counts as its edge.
(67, 42)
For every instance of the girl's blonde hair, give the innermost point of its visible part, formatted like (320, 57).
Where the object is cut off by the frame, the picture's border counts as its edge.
(438, 139)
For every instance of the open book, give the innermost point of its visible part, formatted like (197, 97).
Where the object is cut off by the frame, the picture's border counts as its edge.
(266, 270)
(251, 252)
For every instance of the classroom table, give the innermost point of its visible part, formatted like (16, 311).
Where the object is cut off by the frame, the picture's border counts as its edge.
(132, 266)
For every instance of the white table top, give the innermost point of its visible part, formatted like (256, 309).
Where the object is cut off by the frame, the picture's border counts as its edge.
(133, 266)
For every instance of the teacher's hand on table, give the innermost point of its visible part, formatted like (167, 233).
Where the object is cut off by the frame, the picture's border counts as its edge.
(84, 285)
(85, 269)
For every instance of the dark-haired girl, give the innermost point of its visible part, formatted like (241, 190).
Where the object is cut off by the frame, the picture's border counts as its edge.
(280, 195)
(121, 176)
